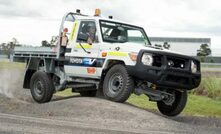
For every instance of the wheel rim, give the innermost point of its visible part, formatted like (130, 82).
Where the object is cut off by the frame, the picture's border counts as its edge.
(38, 88)
(115, 84)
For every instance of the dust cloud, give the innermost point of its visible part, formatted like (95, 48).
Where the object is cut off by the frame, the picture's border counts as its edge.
(11, 81)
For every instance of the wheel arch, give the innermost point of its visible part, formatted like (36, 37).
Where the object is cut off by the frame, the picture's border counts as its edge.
(33, 65)
(31, 68)
(109, 63)
(121, 91)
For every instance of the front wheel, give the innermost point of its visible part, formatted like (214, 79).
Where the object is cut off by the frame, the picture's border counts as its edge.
(42, 87)
(175, 105)
(118, 84)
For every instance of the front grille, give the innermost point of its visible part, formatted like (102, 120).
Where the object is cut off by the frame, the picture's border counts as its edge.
(170, 62)
(177, 79)
(177, 63)
(157, 60)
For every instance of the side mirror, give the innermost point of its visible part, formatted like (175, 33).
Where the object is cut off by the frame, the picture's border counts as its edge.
(82, 37)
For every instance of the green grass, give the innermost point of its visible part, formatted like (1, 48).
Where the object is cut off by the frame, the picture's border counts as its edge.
(11, 65)
(65, 93)
(142, 102)
(196, 105)
(210, 87)
(210, 66)
(203, 106)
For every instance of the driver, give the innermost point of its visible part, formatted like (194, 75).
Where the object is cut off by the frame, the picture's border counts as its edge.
(91, 33)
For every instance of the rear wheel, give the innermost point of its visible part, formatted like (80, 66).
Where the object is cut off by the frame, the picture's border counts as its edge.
(42, 87)
(175, 105)
(118, 84)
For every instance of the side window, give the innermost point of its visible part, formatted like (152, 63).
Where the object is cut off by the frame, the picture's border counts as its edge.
(135, 36)
(87, 32)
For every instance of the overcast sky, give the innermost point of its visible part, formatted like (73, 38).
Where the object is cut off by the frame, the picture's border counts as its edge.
(31, 21)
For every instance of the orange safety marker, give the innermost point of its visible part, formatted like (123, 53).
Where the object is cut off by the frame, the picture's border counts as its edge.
(91, 70)
(104, 54)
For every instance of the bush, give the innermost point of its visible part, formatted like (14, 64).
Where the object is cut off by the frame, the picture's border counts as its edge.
(210, 87)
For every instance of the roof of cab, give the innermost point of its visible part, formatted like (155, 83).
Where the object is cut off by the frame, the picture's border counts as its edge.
(97, 18)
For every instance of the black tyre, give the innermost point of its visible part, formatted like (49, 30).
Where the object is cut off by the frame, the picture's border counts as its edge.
(42, 87)
(91, 93)
(118, 84)
(177, 106)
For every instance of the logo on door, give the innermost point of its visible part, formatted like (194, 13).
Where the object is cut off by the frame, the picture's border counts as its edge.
(89, 61)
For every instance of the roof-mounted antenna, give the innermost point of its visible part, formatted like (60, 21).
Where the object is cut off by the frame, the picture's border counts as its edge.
(78, 11)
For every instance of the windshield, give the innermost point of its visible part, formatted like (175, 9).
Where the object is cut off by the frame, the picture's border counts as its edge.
(120, 33)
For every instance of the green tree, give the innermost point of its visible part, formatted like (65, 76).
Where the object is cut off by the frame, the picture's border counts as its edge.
(3, 46)
(7, 48)
(45, 43)
(15, 41)
(203, 52)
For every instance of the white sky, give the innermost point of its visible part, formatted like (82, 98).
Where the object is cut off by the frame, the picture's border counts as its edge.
(31, 21)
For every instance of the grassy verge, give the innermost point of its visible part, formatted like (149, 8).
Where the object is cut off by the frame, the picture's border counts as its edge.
(65, 93)
(11, 65)
(210, 87)
(196, 105)
(210, 66)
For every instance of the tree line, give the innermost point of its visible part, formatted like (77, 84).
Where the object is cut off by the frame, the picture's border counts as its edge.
(202, 52)
(7, 48)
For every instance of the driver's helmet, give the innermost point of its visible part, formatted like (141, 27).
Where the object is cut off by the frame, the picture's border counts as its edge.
(91, 28)
(92, 25)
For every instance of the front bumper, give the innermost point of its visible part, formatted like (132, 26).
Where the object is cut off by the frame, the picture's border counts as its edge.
(164, 75)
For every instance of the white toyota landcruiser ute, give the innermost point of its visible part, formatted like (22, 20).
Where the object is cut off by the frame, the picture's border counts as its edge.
(96, 55)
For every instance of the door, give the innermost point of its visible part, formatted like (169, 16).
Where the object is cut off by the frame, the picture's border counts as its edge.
(84, 53)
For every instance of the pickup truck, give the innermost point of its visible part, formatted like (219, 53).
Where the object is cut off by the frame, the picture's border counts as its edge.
(115, 60)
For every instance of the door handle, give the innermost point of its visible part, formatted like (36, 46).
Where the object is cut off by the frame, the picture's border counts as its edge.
(117, 48)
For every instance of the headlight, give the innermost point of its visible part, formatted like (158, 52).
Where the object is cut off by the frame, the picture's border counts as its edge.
(193, 67)
(147, 59)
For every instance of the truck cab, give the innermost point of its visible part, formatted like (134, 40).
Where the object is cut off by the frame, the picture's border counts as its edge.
(110, 58)
(114, 40)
